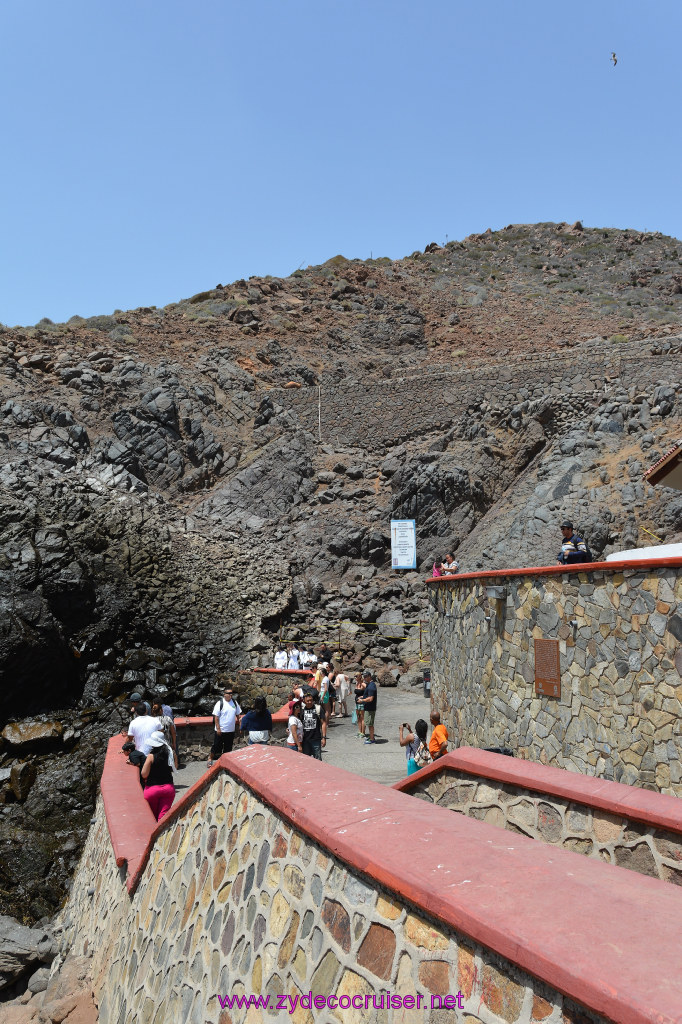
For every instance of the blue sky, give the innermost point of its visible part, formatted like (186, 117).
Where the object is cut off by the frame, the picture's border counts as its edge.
(151, 150)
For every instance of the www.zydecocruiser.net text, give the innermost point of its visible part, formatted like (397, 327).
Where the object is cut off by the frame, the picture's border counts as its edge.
(384, 1001)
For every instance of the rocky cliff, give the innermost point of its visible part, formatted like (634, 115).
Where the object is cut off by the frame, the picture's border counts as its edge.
(178, 484)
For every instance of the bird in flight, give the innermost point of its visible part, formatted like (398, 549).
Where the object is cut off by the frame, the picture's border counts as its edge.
(614, 59)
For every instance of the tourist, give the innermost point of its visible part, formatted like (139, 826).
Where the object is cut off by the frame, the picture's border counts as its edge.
(421, 756)
(359, 692)
(136, 698)
(167, 728)
(314, 728)
(409, 740)
(295, 728)
(574, 549)
(449, 567)
(325, 653)
(141, 729)
(157, 775)
(343, 689)
(369, 703)
(225, 715)
(281, 658)
(257, 722)
(299, 692)
(438, 744)
(324, 690)
(293, 665)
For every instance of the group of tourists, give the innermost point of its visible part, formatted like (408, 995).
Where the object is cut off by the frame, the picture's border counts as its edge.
(448, 567)
(152, 746)
(574, 550)
(327, 693)
(292, 659)
(313, 704)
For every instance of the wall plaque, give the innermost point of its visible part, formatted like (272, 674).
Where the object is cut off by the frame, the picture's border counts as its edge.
(547, 668)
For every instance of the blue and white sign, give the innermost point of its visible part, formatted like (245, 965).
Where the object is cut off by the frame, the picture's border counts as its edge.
(403, 544)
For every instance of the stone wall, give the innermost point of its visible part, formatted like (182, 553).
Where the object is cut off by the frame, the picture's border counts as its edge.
(370, 412)
(195, 736)
(616, 839)
(273, 685)
(619, 715)
(235, 899)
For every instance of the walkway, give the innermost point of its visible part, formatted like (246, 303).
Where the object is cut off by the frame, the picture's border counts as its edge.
(384, 762)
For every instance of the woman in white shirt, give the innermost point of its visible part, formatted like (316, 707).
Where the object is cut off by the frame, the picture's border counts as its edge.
(295, 734)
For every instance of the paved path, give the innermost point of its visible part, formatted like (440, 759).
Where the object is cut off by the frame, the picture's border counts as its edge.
(383, 762)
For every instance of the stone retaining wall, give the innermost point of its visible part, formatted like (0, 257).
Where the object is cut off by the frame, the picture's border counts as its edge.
(233, 901)
(619, 715)
(367, 412)
(274, 685)
(195, 736)
(616, 839)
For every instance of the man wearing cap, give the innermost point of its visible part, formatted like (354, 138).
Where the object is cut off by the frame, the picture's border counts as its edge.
(225, 715)
(574, 548)
(136, 698)
(369, 702)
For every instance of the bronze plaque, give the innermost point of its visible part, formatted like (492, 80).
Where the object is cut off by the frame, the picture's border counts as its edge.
(547, 668)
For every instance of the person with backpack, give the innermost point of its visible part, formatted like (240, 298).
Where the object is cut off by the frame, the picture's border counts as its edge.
(225, 716)
(574, 549)
(420, 752)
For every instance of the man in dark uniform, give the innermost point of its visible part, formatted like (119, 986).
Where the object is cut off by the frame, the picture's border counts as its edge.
(574, 548)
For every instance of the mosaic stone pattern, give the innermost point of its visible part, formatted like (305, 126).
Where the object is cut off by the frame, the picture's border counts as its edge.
(620, 712)
(235, 901)
(559, 822)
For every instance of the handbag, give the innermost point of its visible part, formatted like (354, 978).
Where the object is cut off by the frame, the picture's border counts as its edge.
(354, 716)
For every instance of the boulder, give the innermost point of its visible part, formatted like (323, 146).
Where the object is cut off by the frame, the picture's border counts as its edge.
(390, 623)
(21, 948)
(30, 734)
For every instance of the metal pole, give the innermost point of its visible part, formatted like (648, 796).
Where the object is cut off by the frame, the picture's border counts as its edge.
(319, 412)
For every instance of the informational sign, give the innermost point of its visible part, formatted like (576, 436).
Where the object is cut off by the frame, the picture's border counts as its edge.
(403, 544)
(547, 668)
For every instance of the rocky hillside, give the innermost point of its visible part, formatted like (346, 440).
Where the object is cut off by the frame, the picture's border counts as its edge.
(178, 484)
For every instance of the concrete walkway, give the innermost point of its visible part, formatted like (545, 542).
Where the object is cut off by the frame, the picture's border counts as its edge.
(383, 762)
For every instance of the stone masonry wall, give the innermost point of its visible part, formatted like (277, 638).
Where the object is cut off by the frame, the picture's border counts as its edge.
(234, 901)
(368, 412)
(620, 711)
(559, 822)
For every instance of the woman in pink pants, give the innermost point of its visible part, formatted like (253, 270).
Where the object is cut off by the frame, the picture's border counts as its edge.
(157, 776)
